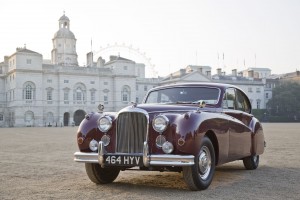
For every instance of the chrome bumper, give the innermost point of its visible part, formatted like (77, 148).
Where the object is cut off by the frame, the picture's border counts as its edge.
(148, 160)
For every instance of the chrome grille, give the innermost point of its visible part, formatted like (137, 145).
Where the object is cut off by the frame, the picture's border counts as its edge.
(131, 132)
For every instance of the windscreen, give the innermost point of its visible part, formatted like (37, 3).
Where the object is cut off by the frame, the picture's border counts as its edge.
(184, 95)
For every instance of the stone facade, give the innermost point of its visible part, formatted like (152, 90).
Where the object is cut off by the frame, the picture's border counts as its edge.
(36, 93)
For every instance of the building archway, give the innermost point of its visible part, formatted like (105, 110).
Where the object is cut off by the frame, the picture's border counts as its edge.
(66, 118)
(78, 117)
(29, 118)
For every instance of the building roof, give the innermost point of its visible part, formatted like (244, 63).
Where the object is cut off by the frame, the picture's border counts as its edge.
(258, 68)
(64, 33)
(113, 59)
(240, 80)
(64, 17)
(24, 50)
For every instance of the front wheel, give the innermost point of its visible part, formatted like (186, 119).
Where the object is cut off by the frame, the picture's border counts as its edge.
(100, 175)
(251, 162)
(200, 175)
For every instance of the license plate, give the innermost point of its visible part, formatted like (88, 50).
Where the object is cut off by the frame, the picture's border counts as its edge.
(123, 160)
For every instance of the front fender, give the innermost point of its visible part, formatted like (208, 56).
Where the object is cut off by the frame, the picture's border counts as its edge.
(192, 127)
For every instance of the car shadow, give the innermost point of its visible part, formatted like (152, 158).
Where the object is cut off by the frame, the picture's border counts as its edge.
(129, 180)
(226, 176)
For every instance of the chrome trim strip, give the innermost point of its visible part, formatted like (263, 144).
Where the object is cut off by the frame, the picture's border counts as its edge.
(171, 160)
(145, 154)
(101, 152)
(152, 160)
(86, 157)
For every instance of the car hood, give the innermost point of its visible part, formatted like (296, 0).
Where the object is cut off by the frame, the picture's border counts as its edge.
(159, 108)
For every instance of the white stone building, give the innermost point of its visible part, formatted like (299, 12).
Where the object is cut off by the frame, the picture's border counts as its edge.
(253, 87)
(34, 92)
(37, 92)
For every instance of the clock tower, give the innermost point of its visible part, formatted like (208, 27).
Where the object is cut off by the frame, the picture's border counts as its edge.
(64, 45)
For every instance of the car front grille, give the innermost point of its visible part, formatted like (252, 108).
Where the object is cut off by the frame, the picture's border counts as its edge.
(131, 132)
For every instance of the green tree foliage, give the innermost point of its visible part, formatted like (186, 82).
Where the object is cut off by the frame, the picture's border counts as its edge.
(285, 100)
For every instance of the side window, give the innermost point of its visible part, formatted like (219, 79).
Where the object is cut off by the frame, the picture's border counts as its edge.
(242, 102)
(229, 99)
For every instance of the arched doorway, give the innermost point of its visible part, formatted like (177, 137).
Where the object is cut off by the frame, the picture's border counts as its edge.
(78, 117)
(66, 118)
(29, 118)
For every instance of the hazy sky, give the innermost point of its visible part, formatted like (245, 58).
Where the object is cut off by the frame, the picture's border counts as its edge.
(173, 33)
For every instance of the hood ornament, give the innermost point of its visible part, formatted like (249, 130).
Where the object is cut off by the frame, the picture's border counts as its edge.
(202, 104)
(134, 104)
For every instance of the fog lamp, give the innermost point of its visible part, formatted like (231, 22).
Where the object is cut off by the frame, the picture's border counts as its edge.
(106, 140)
(167, 147)
(160, 140)
(93, 145)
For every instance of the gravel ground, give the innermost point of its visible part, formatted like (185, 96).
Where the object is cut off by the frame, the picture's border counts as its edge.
(37, 163)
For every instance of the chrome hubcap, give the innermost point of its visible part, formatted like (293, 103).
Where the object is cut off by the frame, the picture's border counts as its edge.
(204, 162)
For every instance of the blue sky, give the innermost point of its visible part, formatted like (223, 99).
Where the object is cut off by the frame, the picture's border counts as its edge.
(173, 33)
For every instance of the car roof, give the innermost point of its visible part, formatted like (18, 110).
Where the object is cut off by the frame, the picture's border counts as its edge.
(194, 84)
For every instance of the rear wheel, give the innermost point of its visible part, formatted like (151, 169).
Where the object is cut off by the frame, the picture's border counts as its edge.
(100, 175)
(200, 175)
(251, 162)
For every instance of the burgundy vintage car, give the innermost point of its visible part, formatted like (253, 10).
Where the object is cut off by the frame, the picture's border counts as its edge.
(189, 128)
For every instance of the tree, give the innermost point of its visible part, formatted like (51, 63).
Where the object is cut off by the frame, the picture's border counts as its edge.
(285, 100)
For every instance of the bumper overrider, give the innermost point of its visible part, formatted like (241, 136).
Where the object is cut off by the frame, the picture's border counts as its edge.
(147, 159)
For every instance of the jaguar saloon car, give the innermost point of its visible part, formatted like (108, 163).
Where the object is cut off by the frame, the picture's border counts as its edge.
(189, 128)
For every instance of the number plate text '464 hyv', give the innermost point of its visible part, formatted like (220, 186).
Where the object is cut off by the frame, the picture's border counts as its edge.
(123, 160)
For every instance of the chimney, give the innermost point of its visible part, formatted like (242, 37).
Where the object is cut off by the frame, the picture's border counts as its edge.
(100, 62)
(251, 73)
(234, 72)
(208, 73)
(200, 69)
(182, 72)
(219, 71)
(6, 58)
(89, 59)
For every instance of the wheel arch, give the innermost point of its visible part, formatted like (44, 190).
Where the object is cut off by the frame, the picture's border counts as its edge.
(212, 136)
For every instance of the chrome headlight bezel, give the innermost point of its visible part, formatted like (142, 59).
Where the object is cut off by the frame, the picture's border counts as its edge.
(93, 145)
(160, 123)
(105, 139)
(168, 147)
(160, 140)
(104, 123)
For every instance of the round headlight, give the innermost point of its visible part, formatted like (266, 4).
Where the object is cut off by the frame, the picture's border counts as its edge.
(104, 123)
(167, 147)
(93, 145)
(160, 140)
(106, 140)
(160, 123)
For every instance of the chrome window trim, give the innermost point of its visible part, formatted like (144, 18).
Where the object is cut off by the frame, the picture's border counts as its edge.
(183, 86)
